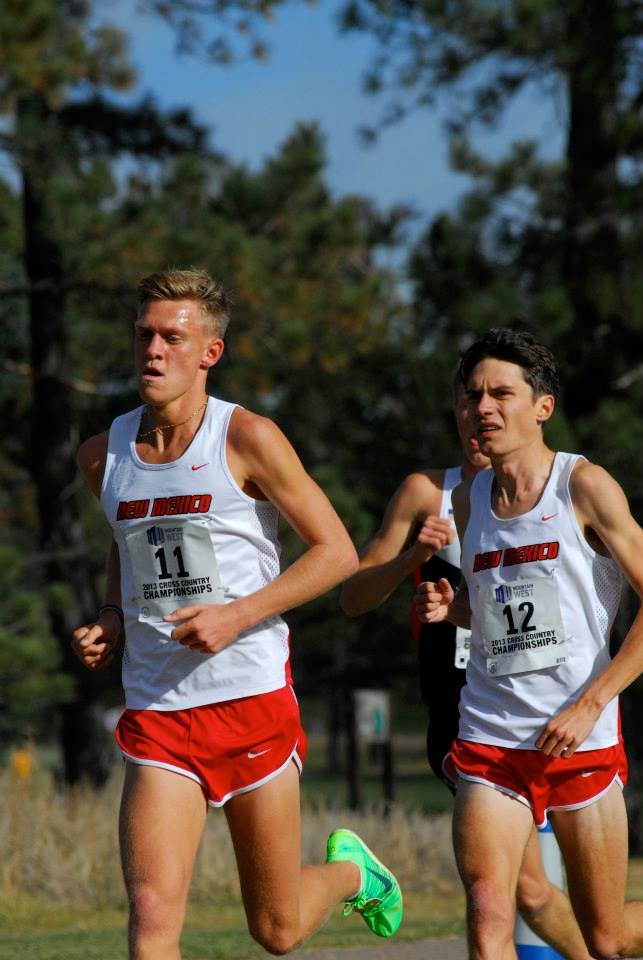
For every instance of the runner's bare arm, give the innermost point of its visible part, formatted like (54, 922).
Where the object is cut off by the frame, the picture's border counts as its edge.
(435, 602)
(604, 515)
(265, 465)
(392, 555)
(91, 458)
(94, 643)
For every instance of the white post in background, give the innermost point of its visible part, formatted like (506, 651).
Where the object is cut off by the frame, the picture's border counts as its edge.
(528, 945)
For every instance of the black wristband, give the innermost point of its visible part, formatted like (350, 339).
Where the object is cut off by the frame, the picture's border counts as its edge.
(117, 610)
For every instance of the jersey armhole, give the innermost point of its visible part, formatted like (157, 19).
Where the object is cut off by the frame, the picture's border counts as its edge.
(580, 536)
(223, 460)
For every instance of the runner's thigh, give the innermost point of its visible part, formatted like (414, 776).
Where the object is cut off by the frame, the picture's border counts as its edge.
(265, 827)
(490, 833)
(161, 823)
(593, 841)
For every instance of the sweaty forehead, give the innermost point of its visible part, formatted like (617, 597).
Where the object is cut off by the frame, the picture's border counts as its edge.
(178, 313)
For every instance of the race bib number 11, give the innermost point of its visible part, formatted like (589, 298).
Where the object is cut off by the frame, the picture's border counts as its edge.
(173, 565)
(522, 626)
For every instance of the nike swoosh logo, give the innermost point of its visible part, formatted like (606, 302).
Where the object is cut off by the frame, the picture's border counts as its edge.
(260, 754)
(388, 885)
(549, 516)
(589, 773)
(198, 466)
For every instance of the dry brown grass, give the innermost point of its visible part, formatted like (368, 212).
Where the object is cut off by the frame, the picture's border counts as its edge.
(62, 845)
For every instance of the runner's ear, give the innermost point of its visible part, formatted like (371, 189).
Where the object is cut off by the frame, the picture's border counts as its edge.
(212, 353)
(544, 407)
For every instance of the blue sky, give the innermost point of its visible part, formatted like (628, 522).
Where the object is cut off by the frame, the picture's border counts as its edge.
(314, 73)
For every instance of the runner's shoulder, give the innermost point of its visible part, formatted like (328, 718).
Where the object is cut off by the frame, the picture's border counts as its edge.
(461, 503)
(587, 477)
(594, 491)
(91, 457)
(423, 482)
(252, 433)
(421, 492)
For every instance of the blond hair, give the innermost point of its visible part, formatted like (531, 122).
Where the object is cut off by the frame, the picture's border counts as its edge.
(190, 284)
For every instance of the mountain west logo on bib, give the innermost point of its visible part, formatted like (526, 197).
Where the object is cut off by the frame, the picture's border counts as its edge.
(155, 536)
(160, 535)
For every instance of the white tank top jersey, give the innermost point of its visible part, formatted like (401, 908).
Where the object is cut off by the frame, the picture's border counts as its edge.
(452, 554)
(452, 477)
(542, 606)
(187, 534)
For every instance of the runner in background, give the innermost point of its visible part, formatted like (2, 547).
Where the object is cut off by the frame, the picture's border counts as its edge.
(417, 539)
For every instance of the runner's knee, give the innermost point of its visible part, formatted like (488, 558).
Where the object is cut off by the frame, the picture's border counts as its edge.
(275, 934)
(604, 945)
(532, 895)
(489, 907)
(153, 911)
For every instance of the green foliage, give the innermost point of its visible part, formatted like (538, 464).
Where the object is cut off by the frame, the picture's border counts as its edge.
(552, 245)
(312, 320)
(321, 339)
(222, 30)
(49, 47)
(32, 685)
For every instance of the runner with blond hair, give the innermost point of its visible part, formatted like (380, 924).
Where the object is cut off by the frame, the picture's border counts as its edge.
(192, 488)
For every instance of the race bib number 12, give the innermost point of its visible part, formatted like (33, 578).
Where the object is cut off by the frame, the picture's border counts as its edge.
(522, 626)
(173, 565)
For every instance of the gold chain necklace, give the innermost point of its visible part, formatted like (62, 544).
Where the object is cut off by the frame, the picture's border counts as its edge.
(170, 426)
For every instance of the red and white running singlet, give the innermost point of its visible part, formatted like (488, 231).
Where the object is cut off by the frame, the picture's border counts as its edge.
(187, 534)
(542, 606)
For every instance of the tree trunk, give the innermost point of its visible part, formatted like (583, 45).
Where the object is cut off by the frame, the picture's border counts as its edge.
(592, 262)
(54, 440)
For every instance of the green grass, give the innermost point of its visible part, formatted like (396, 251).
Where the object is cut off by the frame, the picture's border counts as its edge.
(416, 787)
(33, 931)
(73, 945)
(413, 791)
(215, 929)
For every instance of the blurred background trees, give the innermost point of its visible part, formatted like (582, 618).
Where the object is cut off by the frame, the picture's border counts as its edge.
(353, 359)
(556, 244)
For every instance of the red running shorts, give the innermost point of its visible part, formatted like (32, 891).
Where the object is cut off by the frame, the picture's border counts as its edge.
(227, 748)
(542, 783)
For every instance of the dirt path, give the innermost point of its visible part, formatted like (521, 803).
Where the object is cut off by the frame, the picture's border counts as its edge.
(422, 950)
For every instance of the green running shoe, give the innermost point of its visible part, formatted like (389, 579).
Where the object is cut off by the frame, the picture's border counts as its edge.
(379, 899)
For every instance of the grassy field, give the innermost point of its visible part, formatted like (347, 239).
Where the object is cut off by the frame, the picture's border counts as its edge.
(415, 786)
(61, 895)
(61, 891)
(32, 930)
(217, 930)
